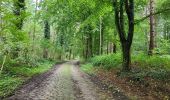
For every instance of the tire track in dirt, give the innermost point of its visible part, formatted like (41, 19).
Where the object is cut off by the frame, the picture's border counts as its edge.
(56, 85)
(64, 82)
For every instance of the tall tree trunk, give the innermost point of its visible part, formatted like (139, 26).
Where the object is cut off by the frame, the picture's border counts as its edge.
(165, 31)
(19, 8)
(107, 51)
(114, 48)
(1, 20)
(18, 11)
(90, 44)
(101, 37)
(115, 42)
(126, 41)
(62, 43)
(70, 53)
(87, 47)
(46, 37)
(84, 42)
(96, 44)
(152, 29)
(168, 33)
(34, 30)
(126, 56)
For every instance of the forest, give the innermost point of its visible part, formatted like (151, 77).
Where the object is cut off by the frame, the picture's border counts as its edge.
(98, 49)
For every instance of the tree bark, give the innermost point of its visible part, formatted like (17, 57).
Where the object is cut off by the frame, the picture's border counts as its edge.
(107, 51)
(152, 29)
(90, 45)
(87, 47)
(126, 41)
(46, 37)
(70, 53)
(126, 56)
(101, 37)
(114, 47)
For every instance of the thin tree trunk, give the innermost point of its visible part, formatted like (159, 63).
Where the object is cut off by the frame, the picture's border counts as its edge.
(70, 53)
(87, 47)
(168, 33)
(101, 37)
(107, 47)
(165, 31)
(90, 45)
(36, 6)
(1, 21)
(114, 48)
(83, 51)
(152, 29)
(33, 34)
(3, 64)
(46, 37)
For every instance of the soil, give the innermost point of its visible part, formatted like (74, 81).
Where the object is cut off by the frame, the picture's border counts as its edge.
(147, 89)
(64, 82)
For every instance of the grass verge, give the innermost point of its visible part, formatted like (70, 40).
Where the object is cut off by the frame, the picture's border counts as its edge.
(14, 76)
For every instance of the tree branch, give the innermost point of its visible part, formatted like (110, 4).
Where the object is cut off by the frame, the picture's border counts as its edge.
(156, 13)
(117, 21)
(130, 13)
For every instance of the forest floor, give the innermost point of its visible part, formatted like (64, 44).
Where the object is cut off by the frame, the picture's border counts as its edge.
(64, 82)
(133, 87)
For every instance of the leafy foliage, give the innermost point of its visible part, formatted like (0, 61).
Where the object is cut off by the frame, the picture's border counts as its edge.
(107, 61)
(14, 76)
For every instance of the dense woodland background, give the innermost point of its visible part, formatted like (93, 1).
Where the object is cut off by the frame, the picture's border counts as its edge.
(131, 35)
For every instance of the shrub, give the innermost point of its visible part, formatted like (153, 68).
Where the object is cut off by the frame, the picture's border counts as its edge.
(88, 68)
(107, 61)
(151, 62)
(156, 66)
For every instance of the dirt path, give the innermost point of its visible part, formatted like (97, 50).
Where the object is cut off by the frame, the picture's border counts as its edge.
(64, 82)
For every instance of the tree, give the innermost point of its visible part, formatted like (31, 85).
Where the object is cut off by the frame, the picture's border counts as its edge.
(46, 37)
(152, 29)
(19, 9)
(34, 30)
(126, 41)
(101, 36)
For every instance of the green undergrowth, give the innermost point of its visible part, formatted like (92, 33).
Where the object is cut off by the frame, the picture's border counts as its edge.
(156, 61)
(13, 76)
(106, 61)
(87, 68)
(157, 67)
(26, 71)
